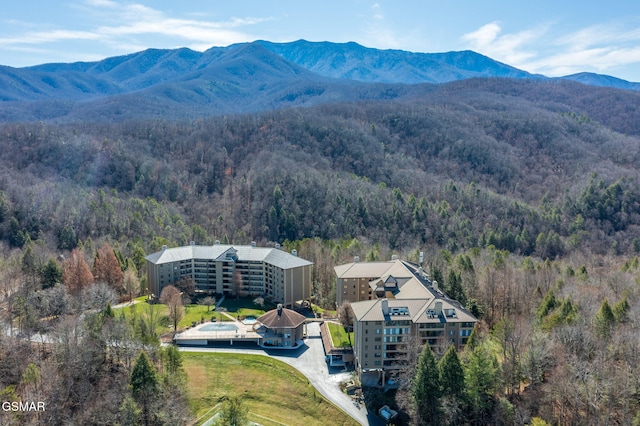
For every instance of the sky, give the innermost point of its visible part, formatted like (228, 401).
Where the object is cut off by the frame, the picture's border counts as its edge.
(550, 37)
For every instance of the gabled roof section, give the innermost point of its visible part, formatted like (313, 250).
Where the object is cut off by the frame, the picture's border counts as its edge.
(176, 254)
(281, 318)
(423, 310)
(273, 256)
(284, 260)
(397, 309)
(452, 311)
(371, 269)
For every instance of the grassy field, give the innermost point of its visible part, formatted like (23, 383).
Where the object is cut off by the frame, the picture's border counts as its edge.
(141, 308)
(339, 336)
(194, 313)
(244, 307)
(197, 313)
(275, 393)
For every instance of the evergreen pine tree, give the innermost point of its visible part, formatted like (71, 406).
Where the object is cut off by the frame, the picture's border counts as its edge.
(451, 374)
(144, 385)
(604, 320)
(234, 413)
(425, 389)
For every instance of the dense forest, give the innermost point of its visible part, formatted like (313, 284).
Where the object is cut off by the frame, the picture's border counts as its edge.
(464, 168)
(526, 193)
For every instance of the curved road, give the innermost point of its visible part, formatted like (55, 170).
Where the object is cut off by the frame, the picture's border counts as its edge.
(310, 361)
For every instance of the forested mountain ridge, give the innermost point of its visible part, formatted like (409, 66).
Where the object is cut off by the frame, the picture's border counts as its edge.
(356, 62)
(247, 77)
(352, 61)
(507, 163)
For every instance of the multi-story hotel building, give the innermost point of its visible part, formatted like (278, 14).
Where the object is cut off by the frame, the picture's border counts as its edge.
(226, 269)
(397, 308)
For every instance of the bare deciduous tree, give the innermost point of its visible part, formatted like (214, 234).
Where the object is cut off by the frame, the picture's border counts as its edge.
(208, 301)
(172, 297)
(130, 283)
(346, 315)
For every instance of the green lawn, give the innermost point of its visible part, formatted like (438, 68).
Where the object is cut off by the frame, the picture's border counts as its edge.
(244, 306)
(142, 309)
(275, 392)
(339, 336)
(194, 313)
(327, 312)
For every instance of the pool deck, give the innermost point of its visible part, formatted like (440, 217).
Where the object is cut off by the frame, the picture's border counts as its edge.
(197, 336)
(250, 332)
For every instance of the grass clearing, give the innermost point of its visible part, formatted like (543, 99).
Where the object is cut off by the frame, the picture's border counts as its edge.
(340, 338)
(197, 313)
(192, 313)
(324, 312)
(143, 309)
(275, 392)
(244, 306)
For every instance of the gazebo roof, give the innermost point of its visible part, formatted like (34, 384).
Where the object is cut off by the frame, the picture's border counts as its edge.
(281, 318)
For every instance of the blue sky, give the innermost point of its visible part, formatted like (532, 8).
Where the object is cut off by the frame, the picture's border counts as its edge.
(554, 38)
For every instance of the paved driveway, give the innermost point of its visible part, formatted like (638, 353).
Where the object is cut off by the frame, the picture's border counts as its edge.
(310, 361)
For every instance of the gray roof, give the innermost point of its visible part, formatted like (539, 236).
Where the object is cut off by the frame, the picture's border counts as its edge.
(281, 318)
(418, 310)
(272, 256)
(364, 269)
(371, 310)
(416, 293)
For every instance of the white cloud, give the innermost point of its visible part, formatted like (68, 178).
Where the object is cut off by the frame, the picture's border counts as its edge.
(43, 37)
(377, 11)
(101, 3)
(122, 25)
(601, 60)
(509, 48)
(599, 48)
(483, 36)
(378, 33)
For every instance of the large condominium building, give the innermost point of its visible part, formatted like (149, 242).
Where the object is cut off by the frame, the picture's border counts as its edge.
(225, 269)
(403, 311)
(354, 280)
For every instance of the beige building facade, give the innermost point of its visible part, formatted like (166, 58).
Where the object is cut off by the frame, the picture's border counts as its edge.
(404, 311)
(226, 269)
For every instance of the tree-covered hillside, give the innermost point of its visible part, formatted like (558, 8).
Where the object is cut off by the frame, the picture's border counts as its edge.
(460, 169)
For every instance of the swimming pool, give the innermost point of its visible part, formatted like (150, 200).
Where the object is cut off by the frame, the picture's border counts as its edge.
(249, 320)
(219, 326)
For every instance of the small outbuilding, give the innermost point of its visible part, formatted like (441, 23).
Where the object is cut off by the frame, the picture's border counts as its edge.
(281, 328)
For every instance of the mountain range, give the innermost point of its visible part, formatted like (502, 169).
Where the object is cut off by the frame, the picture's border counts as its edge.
(246, 77)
